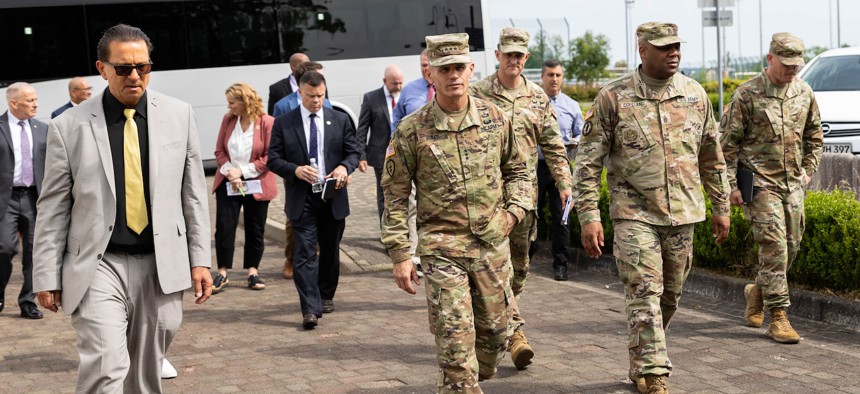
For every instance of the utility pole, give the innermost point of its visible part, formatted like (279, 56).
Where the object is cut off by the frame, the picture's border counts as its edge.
(760, 38)
(542, 35)
(740, 65)
(719, 57)
(627, 5)
(568, 34)
(838, 26)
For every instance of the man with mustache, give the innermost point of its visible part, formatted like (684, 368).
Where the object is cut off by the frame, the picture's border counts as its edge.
(570, 123)
(460, 154)
(772, 127)
(654, 128)
(534, 121)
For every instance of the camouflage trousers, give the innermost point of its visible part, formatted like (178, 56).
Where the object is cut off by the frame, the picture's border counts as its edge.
(653, 263)
(521, 236)
(777, 221)
(468, 302)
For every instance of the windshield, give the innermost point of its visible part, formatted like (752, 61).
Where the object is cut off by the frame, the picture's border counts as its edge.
(837, 73)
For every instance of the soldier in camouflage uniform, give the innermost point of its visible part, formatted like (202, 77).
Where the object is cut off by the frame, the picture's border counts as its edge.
(534, 122)
(656, 131)
(472, 188)
(772, 127)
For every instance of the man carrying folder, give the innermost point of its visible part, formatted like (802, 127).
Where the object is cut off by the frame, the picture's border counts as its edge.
(773, 129)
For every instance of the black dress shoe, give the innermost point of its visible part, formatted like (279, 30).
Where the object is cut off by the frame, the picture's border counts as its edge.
(309, 321)
(1, 307)
(29, 311)
(327, 306)
(561, 273)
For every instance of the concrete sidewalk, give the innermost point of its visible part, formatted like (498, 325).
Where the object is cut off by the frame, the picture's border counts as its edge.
(378, 340)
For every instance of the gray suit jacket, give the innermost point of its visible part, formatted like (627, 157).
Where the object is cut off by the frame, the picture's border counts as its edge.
(7, 156)
(77, 207)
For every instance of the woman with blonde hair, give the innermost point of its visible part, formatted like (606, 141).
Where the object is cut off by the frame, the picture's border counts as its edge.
(242, 150)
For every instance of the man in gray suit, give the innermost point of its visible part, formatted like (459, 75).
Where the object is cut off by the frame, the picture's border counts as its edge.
(22, 165)
(123, 226)
(377, 107)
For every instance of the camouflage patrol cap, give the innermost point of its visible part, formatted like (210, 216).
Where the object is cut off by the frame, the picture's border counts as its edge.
(789, 48)
(658, 33)
(448, 49)
(514, 39)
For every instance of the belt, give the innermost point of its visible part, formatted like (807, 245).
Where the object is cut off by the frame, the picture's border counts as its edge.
(23, 188)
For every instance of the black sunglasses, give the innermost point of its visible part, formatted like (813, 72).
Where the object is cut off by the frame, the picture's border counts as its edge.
(124, 70)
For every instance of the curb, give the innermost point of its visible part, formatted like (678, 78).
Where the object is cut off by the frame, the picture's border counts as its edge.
(804, 303)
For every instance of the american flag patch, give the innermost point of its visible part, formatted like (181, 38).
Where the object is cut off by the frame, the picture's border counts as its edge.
(390, 151)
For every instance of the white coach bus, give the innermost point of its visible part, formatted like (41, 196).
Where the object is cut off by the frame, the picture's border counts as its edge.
(203, 46)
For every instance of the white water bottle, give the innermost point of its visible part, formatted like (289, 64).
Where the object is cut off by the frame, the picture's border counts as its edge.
(317, 186)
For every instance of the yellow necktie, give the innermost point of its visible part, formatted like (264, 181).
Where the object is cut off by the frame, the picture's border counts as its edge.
(135, 203)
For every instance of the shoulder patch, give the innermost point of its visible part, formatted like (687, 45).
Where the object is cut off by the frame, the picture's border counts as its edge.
(390, 151)
(590, 113)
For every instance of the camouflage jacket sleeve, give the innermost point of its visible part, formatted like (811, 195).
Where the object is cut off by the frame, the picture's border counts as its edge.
(712, 164)
(515, 174)
(594, 145)
(397, 175)
(813, 138)
(554, 152)
(733, 126)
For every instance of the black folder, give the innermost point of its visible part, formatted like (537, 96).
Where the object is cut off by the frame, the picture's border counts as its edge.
(329, 189)
(745, 184)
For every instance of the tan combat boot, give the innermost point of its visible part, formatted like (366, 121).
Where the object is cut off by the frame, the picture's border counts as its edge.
(639, 381)
(755, 306)
(521, 352)
(780, 329)
(656, 385)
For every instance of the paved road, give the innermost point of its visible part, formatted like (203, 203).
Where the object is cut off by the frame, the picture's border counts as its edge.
(378, 340)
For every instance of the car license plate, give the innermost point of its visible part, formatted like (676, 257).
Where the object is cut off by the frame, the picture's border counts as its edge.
(837, 148)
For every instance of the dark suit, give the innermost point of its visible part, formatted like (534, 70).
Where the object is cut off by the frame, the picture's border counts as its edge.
(18, 206)
(277, 91)
(313, 220)
(375, 118)
(62, 109)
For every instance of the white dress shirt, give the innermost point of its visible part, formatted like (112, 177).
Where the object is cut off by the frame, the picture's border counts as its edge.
(306, 123)
(388, 97)
(293, 84)
(239, 147)
(15, 130)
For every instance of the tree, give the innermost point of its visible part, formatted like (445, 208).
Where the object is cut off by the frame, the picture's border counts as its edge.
(589, 56)
(552, 48)
(812, 52)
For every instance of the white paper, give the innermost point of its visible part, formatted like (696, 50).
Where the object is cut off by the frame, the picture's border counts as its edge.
(249, 188)
(567, 205)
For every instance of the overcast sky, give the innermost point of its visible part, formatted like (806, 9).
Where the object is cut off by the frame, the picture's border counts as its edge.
(811, 20)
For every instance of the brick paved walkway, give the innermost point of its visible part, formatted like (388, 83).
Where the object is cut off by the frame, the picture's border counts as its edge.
(378, 341)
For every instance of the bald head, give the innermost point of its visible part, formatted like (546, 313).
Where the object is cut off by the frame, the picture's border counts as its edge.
(21, 97)
(79, 90)
(393, 78)
(296, 60)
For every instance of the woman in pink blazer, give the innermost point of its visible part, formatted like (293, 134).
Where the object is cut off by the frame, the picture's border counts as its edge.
(241, 151)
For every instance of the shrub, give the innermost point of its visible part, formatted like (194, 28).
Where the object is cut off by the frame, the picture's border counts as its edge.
(584, 95)
(829, 256)
(830, 250)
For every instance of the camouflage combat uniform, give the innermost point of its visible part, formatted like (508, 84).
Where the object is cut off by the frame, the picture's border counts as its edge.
(467, 175)
(534, 122)
(776, 133)
(661, 151)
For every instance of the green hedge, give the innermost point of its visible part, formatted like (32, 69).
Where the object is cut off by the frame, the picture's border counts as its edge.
(829, 256)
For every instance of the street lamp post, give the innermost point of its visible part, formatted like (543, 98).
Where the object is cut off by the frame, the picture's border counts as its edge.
(628, 4)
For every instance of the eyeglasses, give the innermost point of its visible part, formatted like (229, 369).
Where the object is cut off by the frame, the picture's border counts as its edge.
(124, 70)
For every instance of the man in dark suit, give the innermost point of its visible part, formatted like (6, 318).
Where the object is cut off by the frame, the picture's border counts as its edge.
(377, 106)
(313, 134)
(22, 167)
(284, 87)
(79, 90)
